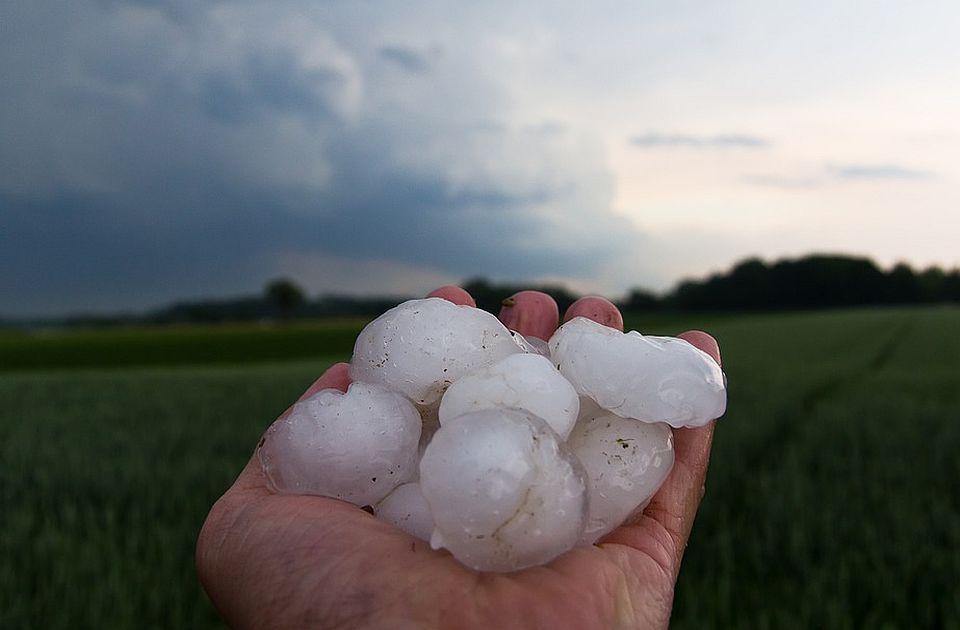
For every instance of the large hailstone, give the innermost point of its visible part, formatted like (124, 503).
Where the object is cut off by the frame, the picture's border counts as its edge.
(355, 446)
(626, 463)
(421, 346)
(653, 379)
(504, 491)
(407, 509)
(524, 381)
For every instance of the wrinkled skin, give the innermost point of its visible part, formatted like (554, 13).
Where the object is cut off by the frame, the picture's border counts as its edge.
(280, 561)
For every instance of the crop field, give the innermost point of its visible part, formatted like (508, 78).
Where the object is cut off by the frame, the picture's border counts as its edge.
(833, 499)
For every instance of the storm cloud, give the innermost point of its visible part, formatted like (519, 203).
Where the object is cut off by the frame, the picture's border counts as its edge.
(168, 149)
(154, 150)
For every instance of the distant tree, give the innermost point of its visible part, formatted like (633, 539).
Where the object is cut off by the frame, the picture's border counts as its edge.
(285, 296)
(903, 286)
(822, 280)
(749, 285)
(951, 286)
(484, 294)
(640, 300)
(816, 281)
(932, 284)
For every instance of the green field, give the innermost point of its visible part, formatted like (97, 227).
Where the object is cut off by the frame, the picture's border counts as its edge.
(833, 498)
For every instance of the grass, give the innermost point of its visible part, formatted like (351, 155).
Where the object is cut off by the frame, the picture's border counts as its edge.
(176, 345)
(107, 477)
(832, 498)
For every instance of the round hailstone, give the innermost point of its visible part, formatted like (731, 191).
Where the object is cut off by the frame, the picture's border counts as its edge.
(421, 346)
(504, 492)
(406, 509)
(626, 463)
(356, 446)
(523, 381)
(653, 379)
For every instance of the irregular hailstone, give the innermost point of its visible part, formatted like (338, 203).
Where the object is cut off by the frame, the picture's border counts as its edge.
(406, 509)
(421, 346)
(356, 446)
(653, 379)
(504, 491)
(626, 463)
(524, 381)
(531, 344)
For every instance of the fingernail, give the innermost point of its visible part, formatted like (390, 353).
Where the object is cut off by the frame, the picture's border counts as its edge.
(454, 294)
(530, 313)
(600, 310)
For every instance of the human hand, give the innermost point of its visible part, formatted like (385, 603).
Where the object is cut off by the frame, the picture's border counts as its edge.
(282, 561)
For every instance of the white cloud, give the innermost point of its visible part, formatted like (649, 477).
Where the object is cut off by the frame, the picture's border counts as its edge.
(656, 139)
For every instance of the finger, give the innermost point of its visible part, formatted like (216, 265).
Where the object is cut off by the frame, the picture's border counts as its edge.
(337, 376)
(674, 506)
(598, 309)
(703, 341)
(454, 294)
(531, 313)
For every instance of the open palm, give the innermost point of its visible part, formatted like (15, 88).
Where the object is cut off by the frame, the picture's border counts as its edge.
(281, 561)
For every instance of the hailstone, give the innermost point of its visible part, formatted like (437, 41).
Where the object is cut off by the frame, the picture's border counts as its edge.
(626, 463)
(524, 381)
(533, 345)
(355, 446)
(421, 346)
(653, 379)
(407, 509)
(504, 491)
(505, 450)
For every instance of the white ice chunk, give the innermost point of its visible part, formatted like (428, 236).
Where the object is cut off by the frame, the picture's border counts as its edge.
(356, 446)
(532, 345)
(421, 346)
(406, 509)
(504, 492)
(523, 381)
(626, 462)
(653, 379)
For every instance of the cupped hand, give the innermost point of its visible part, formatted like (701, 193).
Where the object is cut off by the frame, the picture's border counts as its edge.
(281, 561)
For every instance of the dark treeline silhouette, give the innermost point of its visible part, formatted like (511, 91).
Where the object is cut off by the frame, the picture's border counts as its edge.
(282, 300)
(490, 296)
(814, 282)
(264, 308)
(818, 281)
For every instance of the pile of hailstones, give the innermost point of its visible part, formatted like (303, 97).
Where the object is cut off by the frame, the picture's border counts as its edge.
(507, 451)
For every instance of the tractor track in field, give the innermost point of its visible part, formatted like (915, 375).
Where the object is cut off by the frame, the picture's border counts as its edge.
(789, 423)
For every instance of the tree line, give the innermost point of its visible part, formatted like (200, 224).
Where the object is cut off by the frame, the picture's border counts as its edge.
(817, 281)
(810, 282)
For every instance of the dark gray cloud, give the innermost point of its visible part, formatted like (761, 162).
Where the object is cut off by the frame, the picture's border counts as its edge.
(87, 250)
(410, 59)
(877, 171)
(655, 139)
(180, 11)
(271, 82)
(156, 158)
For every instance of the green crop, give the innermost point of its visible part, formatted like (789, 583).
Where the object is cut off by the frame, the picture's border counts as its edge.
(832, 499)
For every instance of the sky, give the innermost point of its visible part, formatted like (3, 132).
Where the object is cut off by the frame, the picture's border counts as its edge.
(157, 150)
